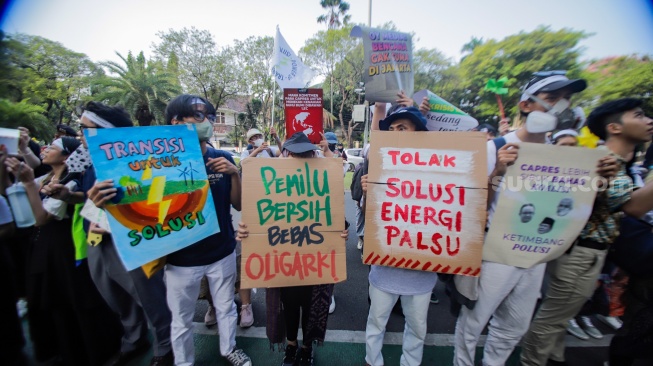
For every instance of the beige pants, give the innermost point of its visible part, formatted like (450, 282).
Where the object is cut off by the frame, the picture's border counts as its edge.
(573, 281)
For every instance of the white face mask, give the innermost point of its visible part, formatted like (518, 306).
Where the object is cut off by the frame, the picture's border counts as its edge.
(204, 130)
(558, 117)
(258, 142)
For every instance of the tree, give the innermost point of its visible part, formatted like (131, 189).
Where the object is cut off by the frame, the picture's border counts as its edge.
(253, 56)
(516, 57)
(335, 10)
(471, 45)
(24, 114)
(429, 68)
(46, 74)
(203, 69)
(143, 88)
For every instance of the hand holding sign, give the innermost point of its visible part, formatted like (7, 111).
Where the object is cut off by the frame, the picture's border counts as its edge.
(102, 192)
(506, 156)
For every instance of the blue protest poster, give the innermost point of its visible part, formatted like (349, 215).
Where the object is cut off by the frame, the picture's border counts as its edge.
(164, 202)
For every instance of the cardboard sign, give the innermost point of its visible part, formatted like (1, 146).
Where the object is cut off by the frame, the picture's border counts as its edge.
(9, 137)
(294, 210)
(164, 201)
(444, 116)
(426, 201)
(303, 109)
(545, 200)
(388, 63)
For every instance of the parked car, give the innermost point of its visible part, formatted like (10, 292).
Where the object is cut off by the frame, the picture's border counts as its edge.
(354, 156)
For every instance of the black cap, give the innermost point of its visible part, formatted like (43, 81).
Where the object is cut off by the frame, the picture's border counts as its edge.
(411, 113)
(298, 143)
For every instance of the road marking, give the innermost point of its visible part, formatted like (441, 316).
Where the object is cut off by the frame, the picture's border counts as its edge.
(393, 338)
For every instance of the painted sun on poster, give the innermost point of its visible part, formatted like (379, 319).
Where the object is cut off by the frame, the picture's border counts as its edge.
(163, 200)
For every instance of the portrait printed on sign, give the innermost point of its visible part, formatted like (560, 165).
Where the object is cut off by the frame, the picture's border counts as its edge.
(163, 202)
(545, 200)
(294, 210)
(426, 206)
(303, 109)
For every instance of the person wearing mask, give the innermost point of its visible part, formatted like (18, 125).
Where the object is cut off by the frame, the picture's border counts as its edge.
(66, 309)
(288, 307)
(260, 147)
(623, 125)
(508, 294)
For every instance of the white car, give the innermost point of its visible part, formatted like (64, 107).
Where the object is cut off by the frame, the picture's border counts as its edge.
(354, 157)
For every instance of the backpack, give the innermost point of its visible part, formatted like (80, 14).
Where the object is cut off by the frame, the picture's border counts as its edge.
(356, 187)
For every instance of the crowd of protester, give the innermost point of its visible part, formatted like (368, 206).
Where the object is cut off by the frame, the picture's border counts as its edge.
(66, 276)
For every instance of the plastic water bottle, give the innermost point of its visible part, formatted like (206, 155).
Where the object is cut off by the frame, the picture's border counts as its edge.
(20, 207)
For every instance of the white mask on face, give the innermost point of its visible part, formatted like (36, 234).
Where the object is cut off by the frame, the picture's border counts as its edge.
(257, 142)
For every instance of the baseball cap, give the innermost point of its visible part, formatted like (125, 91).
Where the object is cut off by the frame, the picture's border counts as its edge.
(298, 143)
(485, 127)
(66, 130)
(331, 137)
(549, 81)
(411, 113)
(253, 132)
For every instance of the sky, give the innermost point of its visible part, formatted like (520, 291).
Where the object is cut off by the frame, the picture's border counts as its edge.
(99, 28)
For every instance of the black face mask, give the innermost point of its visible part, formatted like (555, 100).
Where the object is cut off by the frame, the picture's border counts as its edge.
(332, 147)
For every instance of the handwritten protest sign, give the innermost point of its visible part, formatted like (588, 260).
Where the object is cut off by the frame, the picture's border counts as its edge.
(388, 63)
(303, 109)
(426, 201)
(443, 115)
(164, 202)
(544, 201)
(294, 210)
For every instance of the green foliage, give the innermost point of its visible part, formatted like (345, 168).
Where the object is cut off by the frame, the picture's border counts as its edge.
(143, 88)
(25, 114)
(253, 58)
(336, 13)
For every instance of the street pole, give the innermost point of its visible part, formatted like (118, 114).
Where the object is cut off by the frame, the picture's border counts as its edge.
(369, 15)
(366, 121)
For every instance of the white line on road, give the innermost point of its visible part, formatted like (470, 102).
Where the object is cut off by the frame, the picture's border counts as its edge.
(394, 338)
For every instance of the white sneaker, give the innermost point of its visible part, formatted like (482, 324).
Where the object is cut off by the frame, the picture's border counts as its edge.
(576, 331)
(332, 307)
(209, 317)
(239, 358)
(246, 316)
(589, 328)
(611, 321)
(359, 246)
(21, 306)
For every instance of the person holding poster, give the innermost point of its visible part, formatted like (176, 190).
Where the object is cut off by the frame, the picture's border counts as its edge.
(389, 284)
(136, 298)
(214, 256)
(504, 293)
(288, 307)
(623, 125)
(260, 148)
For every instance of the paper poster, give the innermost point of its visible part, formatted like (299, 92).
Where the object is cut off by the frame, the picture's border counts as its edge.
(164, 202)
(444, 116)
(9, 137)
(545, 200)
(388, 67)
(294, 210)
(426, 201)
(303, 109)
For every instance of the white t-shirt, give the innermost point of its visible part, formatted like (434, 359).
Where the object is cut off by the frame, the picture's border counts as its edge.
(5, 212)
(262, 154)
(511, 138)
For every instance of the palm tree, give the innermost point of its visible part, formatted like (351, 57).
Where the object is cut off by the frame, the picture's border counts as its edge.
(143, 87)
(335, 9)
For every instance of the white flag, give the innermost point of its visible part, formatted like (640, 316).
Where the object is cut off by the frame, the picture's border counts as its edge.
(288, 70)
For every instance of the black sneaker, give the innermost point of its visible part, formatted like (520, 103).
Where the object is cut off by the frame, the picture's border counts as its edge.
(306, 356)
(291, 356)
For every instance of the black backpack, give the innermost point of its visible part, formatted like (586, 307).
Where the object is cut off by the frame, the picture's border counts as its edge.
(356, 187)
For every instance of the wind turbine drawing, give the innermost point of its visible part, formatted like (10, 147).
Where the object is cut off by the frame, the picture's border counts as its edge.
(186, 172)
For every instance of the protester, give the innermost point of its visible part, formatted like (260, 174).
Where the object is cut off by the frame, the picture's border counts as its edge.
(66, 309)
(214, 256)
(260, 147)
(488, 129)
(136, 298)
(565, 138)
(286, 305)
(63, 130)
(508, 294)
(389, 284)
(623, 125)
